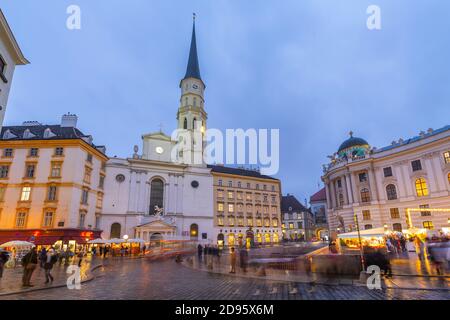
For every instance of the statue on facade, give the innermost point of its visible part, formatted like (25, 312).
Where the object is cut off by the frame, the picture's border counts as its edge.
(159, 212)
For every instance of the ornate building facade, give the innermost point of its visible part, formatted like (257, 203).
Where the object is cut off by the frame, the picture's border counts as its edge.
(402, 186)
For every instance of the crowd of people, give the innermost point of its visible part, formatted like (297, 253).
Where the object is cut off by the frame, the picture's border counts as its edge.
(211, 253)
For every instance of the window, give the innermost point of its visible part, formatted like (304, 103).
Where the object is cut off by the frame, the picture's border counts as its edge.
(156, 195)
(34, 152)
(365, 195)
(25, 195)
(87, 175)
(428, 225)
(220, 221)
(300, 225)
(248, 196)
(185, 120)
(2, 193)
(21, 218)
(258, 222)
(425, 213)
(99, 200)
(220, 194)
(89, 157)
(240, 207)
(84, 196)
(97, 221)
(275, 223)
(416, 165)
(220, 182)
(391, 192)
(368, 226)
(48, 219)
(366, 214)
(231, 221)
(291, 225)
(274, 199)
(82, 219)
(101, 182)
(240, 221)
(59, 151)
(341, 199)
(267, 223)
(250, 222)
(239, 184)
(30, 171)
(387, 172)
(249, 208)
(273, 188)
(265, 197)
(257, 186)
(397, 227)
(220, 207)
(4, 170)
(230, 184)
(339, 183)
(248, 185)
(51, 193)
(2, 66)
(230, 207)
(421, 187)
(362, 177)
(8, 152)
(115, 231)
(395, 213)
(447, 157)
(264, 187)
(195, 101)
(230, 195)
(56, 170)
(239, 196)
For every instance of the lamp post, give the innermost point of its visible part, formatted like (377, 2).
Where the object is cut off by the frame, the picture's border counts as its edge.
(361, 251)
(125, 237)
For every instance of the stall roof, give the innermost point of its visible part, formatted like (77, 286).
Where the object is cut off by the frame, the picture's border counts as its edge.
(377, 232)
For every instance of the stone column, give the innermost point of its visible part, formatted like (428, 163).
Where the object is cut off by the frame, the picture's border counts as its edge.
(333, 195)
(440, 177)
(408, 183)
(327, 191)
(372, 185)
(430, 174)
(349, 188)
(401, 184)
(344, 187)
(131, 202)
(354, 188)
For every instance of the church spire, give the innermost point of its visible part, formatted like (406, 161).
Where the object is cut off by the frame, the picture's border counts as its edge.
(193, 69)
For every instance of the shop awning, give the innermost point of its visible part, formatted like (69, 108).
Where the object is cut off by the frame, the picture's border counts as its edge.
(371, 233)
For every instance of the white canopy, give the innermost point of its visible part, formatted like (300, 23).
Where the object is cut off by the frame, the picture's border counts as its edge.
(17, 243)
(135, 240)
(97, 241)
(370, 233)
(115, 241)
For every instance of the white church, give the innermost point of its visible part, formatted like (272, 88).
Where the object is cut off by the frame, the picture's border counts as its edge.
(149, 196)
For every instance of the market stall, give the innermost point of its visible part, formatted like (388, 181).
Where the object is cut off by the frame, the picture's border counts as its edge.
(17, 249)
(373, 238)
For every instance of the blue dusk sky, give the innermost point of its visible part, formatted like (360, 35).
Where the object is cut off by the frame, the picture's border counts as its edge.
(310, 68)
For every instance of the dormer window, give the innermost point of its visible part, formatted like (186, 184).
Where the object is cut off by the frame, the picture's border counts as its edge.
(9, 135)
(27, 134)
(48, 133)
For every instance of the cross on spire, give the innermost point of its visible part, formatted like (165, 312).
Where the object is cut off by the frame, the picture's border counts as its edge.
(351, 134)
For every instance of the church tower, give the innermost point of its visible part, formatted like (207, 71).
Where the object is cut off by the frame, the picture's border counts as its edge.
(191, 114)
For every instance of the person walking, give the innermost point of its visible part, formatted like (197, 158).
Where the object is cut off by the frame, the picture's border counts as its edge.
(29, 263)
(3, 259)
(199, 251)
(81, 254)
(243, 259)
(232, 261)
(42, 257)
(48, 266)
(143, 249)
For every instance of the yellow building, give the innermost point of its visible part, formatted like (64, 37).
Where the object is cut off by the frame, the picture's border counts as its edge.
(247, 207)
(51, 183)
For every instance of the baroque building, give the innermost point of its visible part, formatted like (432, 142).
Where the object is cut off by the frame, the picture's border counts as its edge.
(403, 186)
(51, 184)
(153, 196)
(298, 221)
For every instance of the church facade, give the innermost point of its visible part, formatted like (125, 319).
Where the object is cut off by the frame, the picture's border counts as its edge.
(152, 196)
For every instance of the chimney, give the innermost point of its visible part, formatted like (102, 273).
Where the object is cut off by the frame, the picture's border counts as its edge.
(69, 120)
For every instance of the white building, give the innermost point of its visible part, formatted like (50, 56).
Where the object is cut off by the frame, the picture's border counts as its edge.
(402, 186)
(10, 56)
(151, 197)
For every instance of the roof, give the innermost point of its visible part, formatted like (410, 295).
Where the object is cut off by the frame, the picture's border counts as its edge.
(291, 201)
(36, 132)
(193, 69)
(352, 142)
(18, 56)
(414, 139)
(319, 196)
(239, 172)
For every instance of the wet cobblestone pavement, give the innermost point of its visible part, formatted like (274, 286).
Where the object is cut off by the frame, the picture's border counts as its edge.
(142, 279)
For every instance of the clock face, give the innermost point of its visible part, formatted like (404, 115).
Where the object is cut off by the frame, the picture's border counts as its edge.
(195, 86)
(159, 150)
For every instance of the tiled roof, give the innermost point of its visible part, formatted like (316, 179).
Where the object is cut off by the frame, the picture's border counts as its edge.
(291, 201)
(319, 196)
(239, 172)
(38, 132)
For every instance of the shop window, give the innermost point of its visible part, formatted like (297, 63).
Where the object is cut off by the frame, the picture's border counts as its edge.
(428, 225)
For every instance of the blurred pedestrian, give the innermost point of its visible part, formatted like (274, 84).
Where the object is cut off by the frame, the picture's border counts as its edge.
(29, 263)
(3, 259)
(48, 266)
(42, 257)
(232, 260)
(243, 259)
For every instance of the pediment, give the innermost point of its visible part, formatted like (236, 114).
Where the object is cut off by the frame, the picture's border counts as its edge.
(157, 224)
(156, 136)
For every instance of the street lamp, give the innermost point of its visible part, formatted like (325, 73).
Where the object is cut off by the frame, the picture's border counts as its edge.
(361, 251)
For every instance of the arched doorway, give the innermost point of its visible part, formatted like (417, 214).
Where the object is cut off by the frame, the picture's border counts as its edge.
(275, 238)
(220, 239)
(115, 230)
(155, 239)
(194, 231)
(156, 195)
(267, 238)
(231, 239)
(259, 238)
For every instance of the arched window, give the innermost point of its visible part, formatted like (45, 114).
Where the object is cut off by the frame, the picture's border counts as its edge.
(193, 123)
(448, 177)
(185, 123)
(156, 195)
(391, 192)
(365, 195)
(421, 187)
(193, 231)
(115, 230)
(195, 101)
